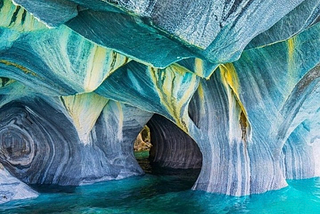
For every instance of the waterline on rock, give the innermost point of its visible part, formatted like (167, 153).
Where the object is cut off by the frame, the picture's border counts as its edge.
(169, 194)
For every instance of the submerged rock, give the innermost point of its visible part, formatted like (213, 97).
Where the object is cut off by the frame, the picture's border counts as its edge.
(239, 79)
(13, 189)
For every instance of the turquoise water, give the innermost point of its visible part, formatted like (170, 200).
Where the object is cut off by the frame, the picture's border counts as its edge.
(166, 192)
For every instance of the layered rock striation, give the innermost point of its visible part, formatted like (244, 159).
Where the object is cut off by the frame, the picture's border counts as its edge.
(12, 188)
(171, 147)
(233, 87)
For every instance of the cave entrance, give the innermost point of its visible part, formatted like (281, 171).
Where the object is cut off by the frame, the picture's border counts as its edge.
(162, 148)
(142, 146)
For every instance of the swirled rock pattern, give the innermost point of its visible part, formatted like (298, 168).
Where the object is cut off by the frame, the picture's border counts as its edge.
(253, 96)
(206, 25)
(240, 78)
(13, 189)
(303, 16)
(301, 149)
(41, 143)
(171, 147)
(66, 62)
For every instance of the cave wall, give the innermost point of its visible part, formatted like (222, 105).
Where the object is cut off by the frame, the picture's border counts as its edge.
(171, 147)
(12, 188)
(69, 140)
(79, 79)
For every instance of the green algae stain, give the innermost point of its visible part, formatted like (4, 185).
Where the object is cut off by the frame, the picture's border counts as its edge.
(141, 154)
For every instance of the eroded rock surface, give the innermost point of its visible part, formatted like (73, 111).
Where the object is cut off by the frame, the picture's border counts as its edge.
(239, 78)
(13, 189)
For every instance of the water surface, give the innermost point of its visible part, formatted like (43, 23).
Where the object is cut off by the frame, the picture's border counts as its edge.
(166, 191)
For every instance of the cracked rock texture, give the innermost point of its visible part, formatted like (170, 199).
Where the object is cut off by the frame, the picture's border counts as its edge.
(233, 85)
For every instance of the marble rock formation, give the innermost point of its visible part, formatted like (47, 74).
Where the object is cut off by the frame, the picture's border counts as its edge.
(234, 86)
(12, 188)
(49, 143)
(171, 147)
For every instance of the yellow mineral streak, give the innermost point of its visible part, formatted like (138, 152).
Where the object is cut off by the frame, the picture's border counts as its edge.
(95, 68)
(24, 69)
(200, 70)
(198, 67)
(200, 93)
(23, 20)
(291, 62)
(84, 110)
(101, 63)
(174, 93)
(230, 80)
(230, 77)
(291, 45)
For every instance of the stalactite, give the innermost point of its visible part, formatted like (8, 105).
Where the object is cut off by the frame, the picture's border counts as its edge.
(74, 97)
(54, 61)
(226, 154)
(41, 144)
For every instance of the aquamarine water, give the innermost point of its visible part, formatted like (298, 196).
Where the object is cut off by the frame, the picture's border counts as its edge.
(166, 192)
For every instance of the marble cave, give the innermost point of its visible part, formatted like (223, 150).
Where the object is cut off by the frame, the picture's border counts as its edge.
(228, 86)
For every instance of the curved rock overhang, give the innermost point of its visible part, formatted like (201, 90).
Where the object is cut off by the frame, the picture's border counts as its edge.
(171, 147)
(50, 143)
(105, 67)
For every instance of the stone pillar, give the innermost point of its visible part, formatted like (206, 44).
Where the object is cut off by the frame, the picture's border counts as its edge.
(68, 141)
(238, 159)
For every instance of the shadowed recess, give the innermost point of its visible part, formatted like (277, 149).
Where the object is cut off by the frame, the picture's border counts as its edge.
(41, 145)
(171, 147)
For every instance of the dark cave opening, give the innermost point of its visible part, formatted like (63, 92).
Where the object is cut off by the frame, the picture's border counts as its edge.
(166, 150)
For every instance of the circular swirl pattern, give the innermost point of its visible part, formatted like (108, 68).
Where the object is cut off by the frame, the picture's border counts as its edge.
(39, 144)
(17, 147)
(171, 146)
(33, 146)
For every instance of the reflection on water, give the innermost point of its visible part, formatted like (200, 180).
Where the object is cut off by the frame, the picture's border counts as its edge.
(167, 192)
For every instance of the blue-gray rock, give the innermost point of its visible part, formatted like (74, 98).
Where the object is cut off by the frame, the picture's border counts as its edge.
(47, 141)
(84, 89)
(13, 189)
(171, 147)
(299, 19)
(131, 36)
(52, 13)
